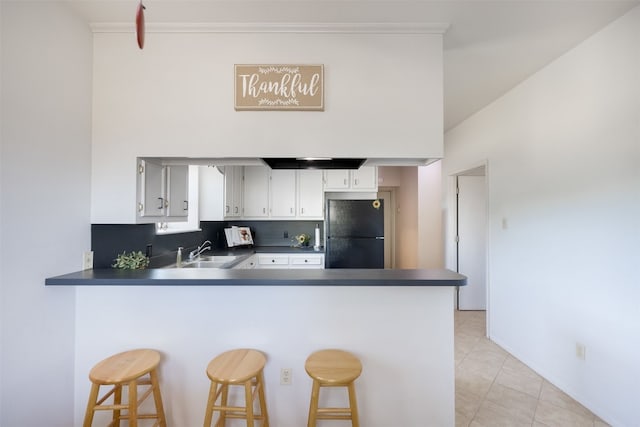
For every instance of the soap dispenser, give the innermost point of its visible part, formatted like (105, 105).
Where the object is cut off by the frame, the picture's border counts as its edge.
(316, 240)
(179, 257)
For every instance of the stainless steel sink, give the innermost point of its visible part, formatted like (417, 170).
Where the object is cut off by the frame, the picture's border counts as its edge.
(212, 261)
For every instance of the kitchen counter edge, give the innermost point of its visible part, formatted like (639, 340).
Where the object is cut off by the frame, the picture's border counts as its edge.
(259, 277)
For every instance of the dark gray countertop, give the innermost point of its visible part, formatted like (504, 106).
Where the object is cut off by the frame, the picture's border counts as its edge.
(258, 277)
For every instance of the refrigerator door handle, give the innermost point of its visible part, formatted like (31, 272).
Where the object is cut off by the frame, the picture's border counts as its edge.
(379, 237)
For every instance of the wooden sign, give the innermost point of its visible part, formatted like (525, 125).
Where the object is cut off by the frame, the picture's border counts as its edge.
(279, 87)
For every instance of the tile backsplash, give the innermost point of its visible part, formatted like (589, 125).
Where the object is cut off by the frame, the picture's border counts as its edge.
(108, 240)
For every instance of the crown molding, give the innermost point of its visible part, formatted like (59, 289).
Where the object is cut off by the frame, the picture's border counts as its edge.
(327, 28)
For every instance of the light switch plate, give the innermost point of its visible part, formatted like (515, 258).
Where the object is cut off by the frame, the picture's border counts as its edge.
(87, 260)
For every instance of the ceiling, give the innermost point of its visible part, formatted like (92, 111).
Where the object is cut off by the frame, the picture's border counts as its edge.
(489, 48)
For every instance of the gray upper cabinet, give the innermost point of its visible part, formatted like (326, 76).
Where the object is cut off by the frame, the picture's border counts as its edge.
(163, 191)
(233, 186)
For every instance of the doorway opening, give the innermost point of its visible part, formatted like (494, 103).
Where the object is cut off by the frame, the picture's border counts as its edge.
(471, 237)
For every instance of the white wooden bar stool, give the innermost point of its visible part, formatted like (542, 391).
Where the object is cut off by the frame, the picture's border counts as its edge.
(333, 368)
(130, 369)
(242, 367)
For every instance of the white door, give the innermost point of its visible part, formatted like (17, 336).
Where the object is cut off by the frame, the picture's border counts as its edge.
(472, 226)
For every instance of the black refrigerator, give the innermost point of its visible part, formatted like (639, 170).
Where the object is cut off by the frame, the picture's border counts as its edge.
(355, 234)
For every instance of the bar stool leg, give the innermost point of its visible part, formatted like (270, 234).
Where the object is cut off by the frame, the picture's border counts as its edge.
(157, 398)
(263, 400)
(355, 421)
(223, 402)
(248, 395)
(313, 406)
(133, 403)
(93, 398)
(117, 400)
(213, 391)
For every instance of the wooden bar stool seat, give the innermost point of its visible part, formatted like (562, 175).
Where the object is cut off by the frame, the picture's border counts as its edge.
(242, 367)
(130, 369)
(333, 368)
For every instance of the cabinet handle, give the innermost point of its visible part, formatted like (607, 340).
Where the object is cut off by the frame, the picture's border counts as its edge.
(140, 207)
(345, 181)
(273, 260)
(140, 169)
(227, 209)
(161, 202)
(291, 210)
(356, 181)
(166, 203)
(306, 260)
(186, 205)
(302, 210)
(236, 210)
(264, 210)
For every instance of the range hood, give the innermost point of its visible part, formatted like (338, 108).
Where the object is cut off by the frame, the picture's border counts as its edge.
(340, 162)
(313, 163)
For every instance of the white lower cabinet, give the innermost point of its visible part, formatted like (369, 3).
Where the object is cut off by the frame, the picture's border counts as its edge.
(284, 261)
(306, 261)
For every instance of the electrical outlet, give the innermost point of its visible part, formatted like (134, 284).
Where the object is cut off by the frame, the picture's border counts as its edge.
(581, 351)
(87, 260)
(286, 376)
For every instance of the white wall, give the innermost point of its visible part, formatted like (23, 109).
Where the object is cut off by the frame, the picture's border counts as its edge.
(563, 151)
(403, 336)
(175, 98)
(430, 244)
(44, 205)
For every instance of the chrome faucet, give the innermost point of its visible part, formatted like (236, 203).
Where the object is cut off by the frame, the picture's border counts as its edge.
(194, 254)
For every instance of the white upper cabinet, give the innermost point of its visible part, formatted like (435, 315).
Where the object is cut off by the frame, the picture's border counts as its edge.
(336, 179)
(256, 192)
(163, 192)
(211, 194)
(283, 193)
(233, 176)
(310, 194)
(363, 179)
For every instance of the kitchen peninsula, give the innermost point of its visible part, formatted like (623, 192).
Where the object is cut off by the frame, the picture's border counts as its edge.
(398, 322)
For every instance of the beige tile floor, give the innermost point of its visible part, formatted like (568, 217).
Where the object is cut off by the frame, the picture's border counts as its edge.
(494, 389)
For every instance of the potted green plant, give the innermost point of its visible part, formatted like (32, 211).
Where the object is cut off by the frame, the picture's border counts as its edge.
(131, 261)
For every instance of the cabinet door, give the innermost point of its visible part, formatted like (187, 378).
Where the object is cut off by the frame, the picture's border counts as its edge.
(211, 194)
(177, 190)
(256, 192)
(233, 191)
(283, 193)
(337, 179)
(365, 178)
(151, 201)
(306, 261)
(310, 194)
(272, 261)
